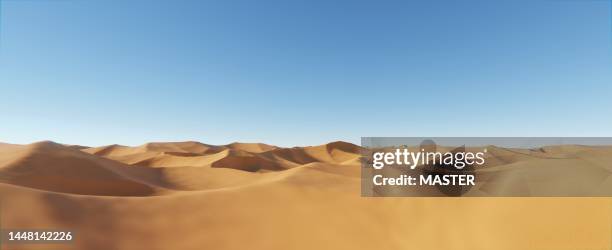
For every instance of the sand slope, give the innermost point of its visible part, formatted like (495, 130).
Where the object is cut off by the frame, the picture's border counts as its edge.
(189, 195)
(54, 167)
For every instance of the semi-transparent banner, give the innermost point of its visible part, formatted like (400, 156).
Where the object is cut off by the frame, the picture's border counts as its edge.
(486, 166)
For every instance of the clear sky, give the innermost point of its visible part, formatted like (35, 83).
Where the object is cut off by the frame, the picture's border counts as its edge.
(302, 72)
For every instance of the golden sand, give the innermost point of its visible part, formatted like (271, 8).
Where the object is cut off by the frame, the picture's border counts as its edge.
(189, 195)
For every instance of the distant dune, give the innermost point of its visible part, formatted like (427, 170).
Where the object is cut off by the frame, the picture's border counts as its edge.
(190, 195)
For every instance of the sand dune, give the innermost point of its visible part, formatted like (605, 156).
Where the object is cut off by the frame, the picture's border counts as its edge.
(189, 195)
(188, 147)
(243, 156)
(251, 147)
(54, 167)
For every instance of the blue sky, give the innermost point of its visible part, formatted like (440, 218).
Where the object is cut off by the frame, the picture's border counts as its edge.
(302, 72)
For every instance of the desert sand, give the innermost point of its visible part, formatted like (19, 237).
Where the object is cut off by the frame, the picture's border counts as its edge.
(190, 195)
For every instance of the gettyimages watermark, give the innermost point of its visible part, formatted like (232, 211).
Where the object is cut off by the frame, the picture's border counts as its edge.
(486, 167)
